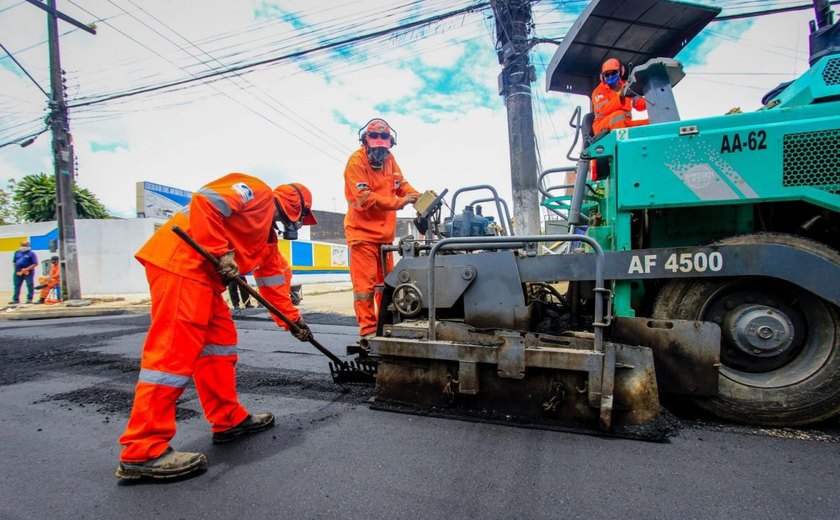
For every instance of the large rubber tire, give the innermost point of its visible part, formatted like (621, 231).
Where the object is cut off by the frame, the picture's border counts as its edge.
(806, 387)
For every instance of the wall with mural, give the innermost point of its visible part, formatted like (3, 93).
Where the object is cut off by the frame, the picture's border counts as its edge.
(106, 254)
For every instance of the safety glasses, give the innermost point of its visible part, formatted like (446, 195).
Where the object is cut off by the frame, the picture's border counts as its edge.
(379, 135)
(610, 73)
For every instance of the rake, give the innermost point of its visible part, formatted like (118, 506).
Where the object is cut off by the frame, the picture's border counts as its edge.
(341, 371)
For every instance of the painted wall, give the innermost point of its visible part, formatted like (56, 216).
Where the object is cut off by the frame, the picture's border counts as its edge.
(106, 254)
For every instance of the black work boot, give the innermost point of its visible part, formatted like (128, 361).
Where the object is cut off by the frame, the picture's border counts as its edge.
(170, 464)
(251, 424)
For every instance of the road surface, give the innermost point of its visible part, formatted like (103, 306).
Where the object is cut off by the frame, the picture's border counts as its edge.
(66, 389)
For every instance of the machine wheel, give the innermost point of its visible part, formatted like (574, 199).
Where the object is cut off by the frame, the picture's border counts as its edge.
(780, 344)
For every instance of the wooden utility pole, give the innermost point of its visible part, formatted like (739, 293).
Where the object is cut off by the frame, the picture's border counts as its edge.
(63, 159)
(513, 25)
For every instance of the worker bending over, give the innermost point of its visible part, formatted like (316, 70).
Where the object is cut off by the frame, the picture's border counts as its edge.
(612, 109)
(192, 335)
(375, 190)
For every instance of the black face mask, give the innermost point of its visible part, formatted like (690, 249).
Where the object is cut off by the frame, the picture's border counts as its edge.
(376, 156)
(290, 228)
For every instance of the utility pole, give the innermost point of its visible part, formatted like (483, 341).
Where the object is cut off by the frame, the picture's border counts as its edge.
(513, 25)
(63, 158)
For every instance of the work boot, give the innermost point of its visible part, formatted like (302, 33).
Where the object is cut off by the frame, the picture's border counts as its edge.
(170, 464)
(40, 302)
(251, 424)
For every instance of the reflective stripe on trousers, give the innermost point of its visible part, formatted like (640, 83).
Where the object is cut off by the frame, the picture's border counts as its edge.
(366, 274)
(191, 336)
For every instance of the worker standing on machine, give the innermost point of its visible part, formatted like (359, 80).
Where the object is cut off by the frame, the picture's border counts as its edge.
(612, 109)
(375, 190)
(192, 335)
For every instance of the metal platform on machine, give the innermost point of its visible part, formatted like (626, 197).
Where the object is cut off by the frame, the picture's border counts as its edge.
(633, 31)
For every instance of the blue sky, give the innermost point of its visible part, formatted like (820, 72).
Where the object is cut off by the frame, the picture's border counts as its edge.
(297, 120)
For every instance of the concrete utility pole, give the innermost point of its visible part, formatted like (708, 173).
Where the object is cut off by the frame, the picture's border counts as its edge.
(513, 24)
(63, 158)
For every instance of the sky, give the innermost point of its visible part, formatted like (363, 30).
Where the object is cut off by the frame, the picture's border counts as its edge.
(296, 119)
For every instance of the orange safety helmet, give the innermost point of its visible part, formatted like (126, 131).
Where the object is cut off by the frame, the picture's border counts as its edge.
(378, 133)
(612, 64)
(296, 202)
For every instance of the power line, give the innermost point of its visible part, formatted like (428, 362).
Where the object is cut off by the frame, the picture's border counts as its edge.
(338, 146)
(769, 12)
(22, 140)
(296, 54)
(24, 70)
(259, 114)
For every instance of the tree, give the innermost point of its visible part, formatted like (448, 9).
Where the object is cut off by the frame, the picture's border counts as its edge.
(8, 209)
(35, 199)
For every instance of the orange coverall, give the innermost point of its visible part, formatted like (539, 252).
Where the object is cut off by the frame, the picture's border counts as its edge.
(611, 112)
(192, 334)
(373, 197)
(52, 280)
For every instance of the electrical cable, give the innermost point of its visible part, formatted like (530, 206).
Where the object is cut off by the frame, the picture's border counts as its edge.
(769, 12)
(291, 55)
(259, 114)
(306, 127)
(28, 75)
(23, 139)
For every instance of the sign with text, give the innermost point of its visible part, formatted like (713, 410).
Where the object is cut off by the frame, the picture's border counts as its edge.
(159, 201)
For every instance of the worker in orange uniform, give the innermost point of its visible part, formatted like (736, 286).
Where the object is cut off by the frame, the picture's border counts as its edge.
(192, 335)
(46, 283)
(375, 189)
(612, 109)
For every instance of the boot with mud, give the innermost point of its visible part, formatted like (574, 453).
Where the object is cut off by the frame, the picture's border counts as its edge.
(170, 464)
(251, 424)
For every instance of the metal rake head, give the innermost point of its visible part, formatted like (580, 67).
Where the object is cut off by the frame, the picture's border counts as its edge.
(353, 372)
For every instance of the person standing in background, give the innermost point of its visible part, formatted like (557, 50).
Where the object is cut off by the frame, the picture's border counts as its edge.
(238, 294)
(25, 261)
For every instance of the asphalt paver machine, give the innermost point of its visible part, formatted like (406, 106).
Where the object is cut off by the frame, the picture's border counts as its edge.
(701, 260)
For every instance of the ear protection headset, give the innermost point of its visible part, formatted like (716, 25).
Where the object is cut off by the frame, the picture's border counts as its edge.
(363, 131)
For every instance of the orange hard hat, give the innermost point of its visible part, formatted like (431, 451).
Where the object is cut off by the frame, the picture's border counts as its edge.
(611, 64)
(296, 201)
(374, 131)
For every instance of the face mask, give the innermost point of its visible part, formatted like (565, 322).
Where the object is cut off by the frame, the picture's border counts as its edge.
(611, 80)
(290, 229)
(376, 157)
(25, 248)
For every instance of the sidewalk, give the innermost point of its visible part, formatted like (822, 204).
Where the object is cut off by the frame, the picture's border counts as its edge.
(113, 304)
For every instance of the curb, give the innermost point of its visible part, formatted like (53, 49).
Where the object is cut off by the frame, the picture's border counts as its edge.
(69, 312)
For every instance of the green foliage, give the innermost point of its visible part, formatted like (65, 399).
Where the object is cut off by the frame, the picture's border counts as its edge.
(35, 199)
(8, 209)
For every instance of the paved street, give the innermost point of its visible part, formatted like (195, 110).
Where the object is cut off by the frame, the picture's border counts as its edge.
(66, 388)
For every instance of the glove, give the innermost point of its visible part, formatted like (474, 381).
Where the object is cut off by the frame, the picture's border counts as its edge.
(408, 199)
(227, 268)
(304, 334)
